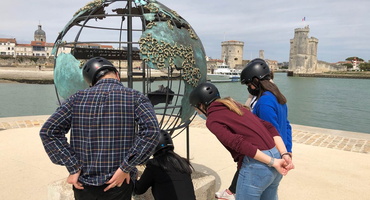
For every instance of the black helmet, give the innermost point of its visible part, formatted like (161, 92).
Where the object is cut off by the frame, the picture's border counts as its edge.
(256, 68)
(204, 93)
(95, 68)
(165, 141)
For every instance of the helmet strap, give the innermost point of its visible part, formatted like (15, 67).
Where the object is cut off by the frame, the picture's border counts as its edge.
(200, 108)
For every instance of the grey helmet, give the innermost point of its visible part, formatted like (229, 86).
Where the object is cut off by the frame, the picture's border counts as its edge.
(165, 141)
(257, 68)
(95, 68)
(204, 93)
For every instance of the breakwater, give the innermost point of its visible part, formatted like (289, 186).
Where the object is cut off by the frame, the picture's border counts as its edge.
(363, 75)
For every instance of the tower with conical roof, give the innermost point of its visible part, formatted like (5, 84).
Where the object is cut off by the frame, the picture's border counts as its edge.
(40, 35)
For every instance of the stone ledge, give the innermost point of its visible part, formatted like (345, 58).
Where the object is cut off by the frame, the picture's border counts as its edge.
(204, 186)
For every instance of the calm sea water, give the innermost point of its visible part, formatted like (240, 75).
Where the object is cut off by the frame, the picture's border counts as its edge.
(321, 102)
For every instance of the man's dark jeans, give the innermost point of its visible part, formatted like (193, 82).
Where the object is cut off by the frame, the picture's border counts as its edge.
(97, 192)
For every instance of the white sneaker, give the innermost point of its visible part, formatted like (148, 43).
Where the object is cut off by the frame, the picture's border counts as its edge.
(225, 195)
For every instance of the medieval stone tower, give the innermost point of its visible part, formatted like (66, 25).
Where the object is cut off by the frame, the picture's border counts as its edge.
(232, 53)
(40, 35)
(303, 52)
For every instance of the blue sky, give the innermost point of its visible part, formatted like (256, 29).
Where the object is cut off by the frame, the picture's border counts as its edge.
(342, 26)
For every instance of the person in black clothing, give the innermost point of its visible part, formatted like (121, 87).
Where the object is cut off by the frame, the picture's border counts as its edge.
(167, 173)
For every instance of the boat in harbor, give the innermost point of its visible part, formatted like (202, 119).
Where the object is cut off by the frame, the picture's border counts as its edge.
(223, 73)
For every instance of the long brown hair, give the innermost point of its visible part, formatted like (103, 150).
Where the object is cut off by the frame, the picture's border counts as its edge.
(232, 105)
(267, 85)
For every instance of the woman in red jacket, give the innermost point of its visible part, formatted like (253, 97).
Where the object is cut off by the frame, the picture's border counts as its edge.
(253, 143)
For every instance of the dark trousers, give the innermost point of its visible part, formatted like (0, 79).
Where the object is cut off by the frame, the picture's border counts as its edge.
(232, 187)
(97, 192)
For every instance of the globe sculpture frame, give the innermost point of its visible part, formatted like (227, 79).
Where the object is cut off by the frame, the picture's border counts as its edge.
(155, 50)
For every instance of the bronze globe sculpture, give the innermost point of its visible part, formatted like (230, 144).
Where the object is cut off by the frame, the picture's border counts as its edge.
(155, 50)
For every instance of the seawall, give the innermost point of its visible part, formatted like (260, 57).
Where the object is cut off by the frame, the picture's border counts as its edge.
(333, 75)
(33, 75)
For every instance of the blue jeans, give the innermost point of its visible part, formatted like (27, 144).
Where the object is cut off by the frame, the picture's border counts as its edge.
(257, 180)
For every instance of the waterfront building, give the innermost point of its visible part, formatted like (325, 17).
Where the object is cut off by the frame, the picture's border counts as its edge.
(7, 46)
(38, 47)
(232, 53)
(303, 55)
(303, 52)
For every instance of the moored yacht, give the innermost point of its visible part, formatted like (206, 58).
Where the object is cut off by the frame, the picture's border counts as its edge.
(223, 73)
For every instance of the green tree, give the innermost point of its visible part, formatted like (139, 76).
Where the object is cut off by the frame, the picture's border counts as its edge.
(365, 66)
(353, 58)
(348, 65)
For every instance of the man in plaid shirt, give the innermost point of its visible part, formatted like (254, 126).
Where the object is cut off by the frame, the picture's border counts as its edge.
(112, 130)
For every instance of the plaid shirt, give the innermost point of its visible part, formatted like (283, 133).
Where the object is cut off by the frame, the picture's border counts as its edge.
(102, 122)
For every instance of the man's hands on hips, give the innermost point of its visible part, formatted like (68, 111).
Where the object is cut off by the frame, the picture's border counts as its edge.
(117, 179)
(73, 179)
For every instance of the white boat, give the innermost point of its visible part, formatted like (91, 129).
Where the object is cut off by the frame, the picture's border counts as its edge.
(223, 73)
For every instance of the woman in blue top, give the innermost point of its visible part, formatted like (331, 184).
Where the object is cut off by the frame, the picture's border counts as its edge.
(270, 102)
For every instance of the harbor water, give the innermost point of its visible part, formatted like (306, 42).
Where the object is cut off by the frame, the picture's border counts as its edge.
(331, 103)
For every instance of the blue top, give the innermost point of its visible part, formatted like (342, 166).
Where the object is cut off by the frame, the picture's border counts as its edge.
(103, 138)
(269, 109)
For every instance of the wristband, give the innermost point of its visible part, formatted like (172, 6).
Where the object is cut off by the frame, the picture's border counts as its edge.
(271, 162)
(286, 153)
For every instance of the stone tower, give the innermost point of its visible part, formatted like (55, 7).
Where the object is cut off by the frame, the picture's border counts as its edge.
(232, 53)
(303, 52)
(40, 35)
(262, 54)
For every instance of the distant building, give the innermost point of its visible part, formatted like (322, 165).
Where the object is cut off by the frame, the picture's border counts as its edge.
(7, 46)
(303, 52)
(39, 46)
(213, 63)
(303, 55)
(273, 64)
(40, 35)
(232, 53)
(262, 54)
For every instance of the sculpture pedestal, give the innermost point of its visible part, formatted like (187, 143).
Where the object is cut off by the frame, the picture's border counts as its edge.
(204, 186)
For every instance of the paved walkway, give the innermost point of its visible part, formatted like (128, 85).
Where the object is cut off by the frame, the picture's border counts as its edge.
(330, 164)
(335, 139)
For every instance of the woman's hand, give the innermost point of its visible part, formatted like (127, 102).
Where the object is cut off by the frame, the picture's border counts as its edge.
(280, 166)
(289, 162)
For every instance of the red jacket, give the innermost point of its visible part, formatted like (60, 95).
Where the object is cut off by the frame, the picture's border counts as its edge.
(241, 135)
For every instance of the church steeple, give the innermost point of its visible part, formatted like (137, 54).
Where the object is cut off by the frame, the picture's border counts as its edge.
(40, 34)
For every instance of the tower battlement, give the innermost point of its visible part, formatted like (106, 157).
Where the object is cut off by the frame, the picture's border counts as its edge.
(305, 29)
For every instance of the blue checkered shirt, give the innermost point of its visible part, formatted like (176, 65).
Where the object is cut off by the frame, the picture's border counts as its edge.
(101, 120)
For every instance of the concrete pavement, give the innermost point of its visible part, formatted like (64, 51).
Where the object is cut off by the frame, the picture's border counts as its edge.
(330, 164)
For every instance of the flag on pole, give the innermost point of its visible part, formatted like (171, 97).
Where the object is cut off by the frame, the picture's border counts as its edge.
(303, 19)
